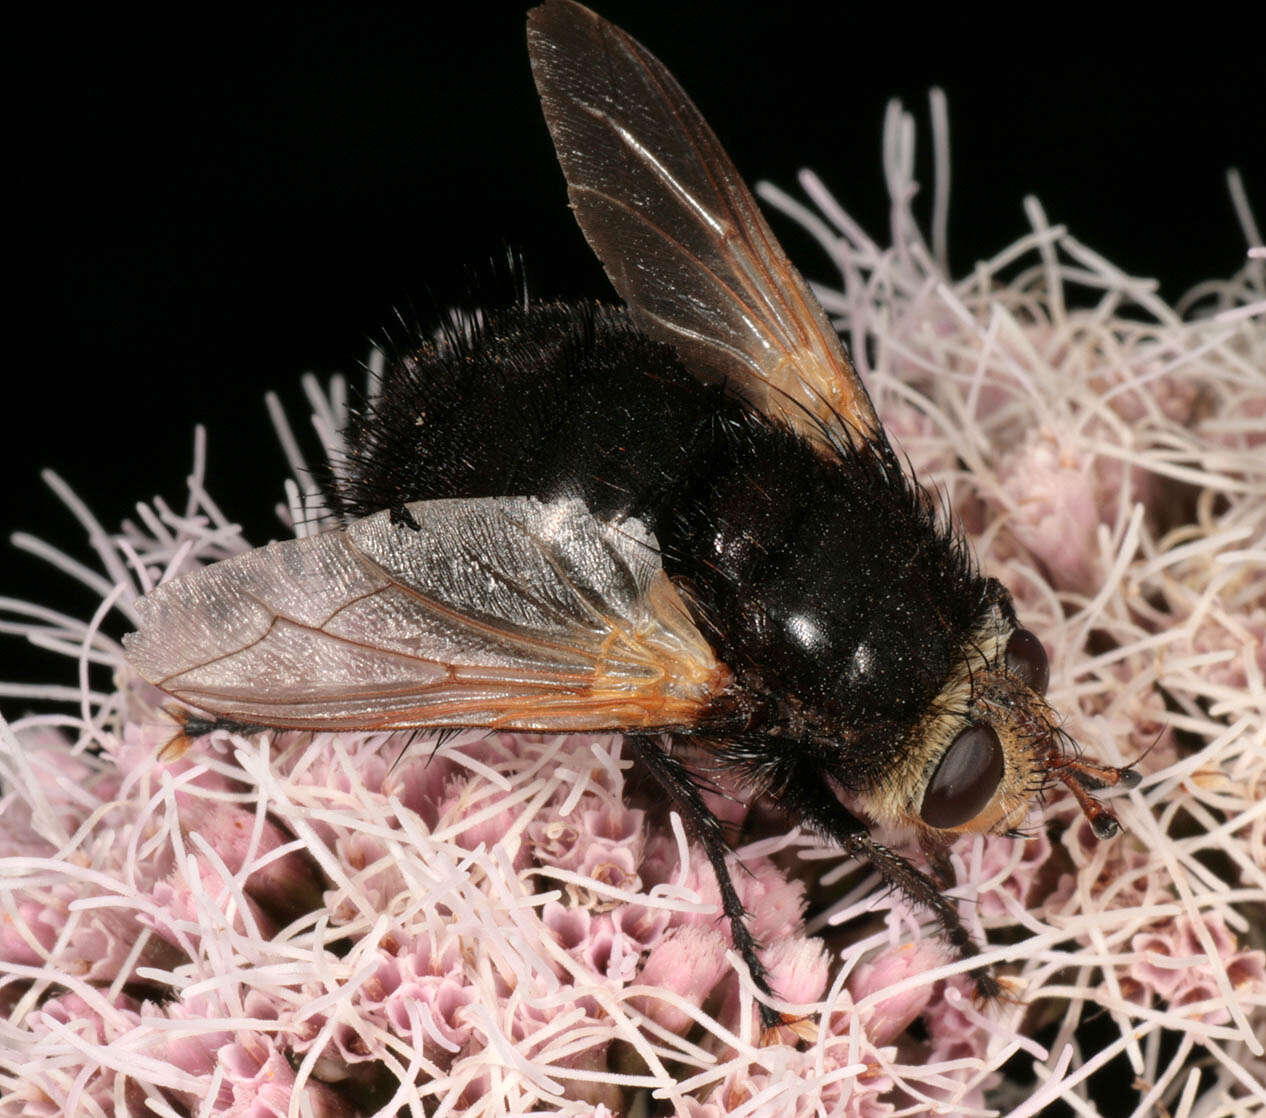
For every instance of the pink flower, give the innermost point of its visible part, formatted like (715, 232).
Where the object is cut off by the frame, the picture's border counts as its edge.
(183, 900)
(890, 1017)
(490, 811)
(1021, 860)
(28, 931)
(438, 1003)
(587, 1049)
(262, 1082)
(43, 1091)
(557, 842)
(1174, 966)
(1053, 509)
(641, 924)
(798, 971)
(775, 904)
(688, 962)
(611, 865)
(195, 1051)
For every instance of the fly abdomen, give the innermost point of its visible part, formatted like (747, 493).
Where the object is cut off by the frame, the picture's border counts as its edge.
(550, 400)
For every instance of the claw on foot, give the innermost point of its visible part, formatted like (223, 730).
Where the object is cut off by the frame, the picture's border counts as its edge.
(180, 741)
(989, 988)
(788, 1029)
(190, 727)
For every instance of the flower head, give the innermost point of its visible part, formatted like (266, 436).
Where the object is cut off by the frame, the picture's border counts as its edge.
(287, 922)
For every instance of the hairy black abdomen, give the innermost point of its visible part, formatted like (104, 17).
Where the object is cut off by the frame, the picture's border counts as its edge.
(553, 400)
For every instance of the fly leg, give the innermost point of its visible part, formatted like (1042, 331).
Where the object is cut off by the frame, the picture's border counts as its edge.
(704, 827)
(805, 793)
(190, 727)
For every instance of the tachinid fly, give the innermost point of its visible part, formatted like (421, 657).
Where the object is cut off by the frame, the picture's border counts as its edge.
(680, 520)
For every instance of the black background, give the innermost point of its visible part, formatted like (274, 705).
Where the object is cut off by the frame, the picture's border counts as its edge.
(219, 206)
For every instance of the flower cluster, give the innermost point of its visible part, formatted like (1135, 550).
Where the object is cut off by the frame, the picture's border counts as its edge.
(493, 924)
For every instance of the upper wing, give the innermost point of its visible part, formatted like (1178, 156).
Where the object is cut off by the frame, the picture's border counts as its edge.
(679, 234)
(503, 612)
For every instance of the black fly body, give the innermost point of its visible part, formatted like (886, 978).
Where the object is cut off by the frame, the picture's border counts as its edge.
(680, 519)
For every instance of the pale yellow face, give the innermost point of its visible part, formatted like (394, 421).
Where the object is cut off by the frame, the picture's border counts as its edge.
(1024, 725)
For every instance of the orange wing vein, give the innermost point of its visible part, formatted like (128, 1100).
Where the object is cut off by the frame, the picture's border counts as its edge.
(680, 235)
(503, 613)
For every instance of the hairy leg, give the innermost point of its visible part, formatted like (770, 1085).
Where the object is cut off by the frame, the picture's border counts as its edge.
(803, 791)
(705, 829)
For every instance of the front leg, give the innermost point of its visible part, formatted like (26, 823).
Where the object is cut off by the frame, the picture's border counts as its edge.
(704, 827)
(803, 791)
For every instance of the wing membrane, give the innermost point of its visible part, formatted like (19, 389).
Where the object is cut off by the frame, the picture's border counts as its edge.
(679, 233)
(506, 613)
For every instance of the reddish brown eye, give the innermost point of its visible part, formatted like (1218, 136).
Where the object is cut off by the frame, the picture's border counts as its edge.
(1027, 658)
(965, 780)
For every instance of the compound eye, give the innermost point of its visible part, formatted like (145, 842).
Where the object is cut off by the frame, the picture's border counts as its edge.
(1026, 658)
(965, 780)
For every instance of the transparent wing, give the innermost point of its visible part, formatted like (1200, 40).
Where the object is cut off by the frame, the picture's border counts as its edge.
(505, 613)
(679, 234)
